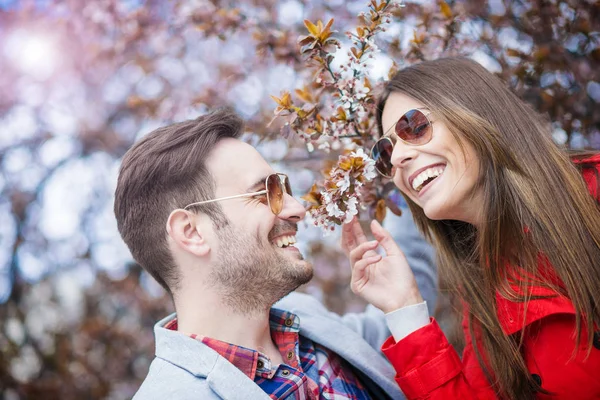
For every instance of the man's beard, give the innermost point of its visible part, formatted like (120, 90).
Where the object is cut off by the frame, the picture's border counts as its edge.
(251, 274)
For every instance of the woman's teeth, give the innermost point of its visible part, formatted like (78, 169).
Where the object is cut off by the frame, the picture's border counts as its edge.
(284, 241)
(426, 177)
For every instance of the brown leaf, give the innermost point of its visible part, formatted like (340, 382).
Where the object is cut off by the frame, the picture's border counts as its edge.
(285, 101)
(305, 94)
(418, 39)
(312, 28)
(346, 164)
(393, 207)
(313, 196)
(393, 70)
(303, 41)
(445, 9)
(326, 32)
(341, 114)
(358, 162)
(513, 53)
(380, 210)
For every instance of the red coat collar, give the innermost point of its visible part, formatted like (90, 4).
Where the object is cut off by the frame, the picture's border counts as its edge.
(513, 316)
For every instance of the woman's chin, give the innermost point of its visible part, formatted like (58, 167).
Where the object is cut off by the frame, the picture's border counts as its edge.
(434, 216)
(435, 212)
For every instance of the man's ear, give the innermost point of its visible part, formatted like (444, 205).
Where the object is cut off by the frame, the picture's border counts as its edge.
(186, 233)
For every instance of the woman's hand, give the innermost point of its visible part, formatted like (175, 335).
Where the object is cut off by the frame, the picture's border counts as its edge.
(387, 281)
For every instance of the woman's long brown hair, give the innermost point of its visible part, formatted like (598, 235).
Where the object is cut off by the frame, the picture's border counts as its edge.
(536, 205)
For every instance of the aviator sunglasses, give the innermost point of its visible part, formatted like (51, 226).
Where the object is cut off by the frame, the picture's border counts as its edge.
(276, 186)
(413, 128)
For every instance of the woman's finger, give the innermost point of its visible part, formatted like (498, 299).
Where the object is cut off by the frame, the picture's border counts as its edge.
(360, 265)
(359, 234)
(349, 235)
(359, 251)
(385, 239)
(348, 240)
(359, 273)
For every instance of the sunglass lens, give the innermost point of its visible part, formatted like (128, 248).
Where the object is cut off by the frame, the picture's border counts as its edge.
(286, 183)
(382, 154)
(275, 193)
(414, 127)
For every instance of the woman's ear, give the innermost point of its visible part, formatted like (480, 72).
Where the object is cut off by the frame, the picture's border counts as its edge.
(186, 233)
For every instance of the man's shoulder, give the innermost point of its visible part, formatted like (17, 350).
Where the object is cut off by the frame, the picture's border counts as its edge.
(186, 369)
(168, 381)
(180, 367)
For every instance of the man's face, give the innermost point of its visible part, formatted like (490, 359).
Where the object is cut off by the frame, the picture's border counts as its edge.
(251, 266)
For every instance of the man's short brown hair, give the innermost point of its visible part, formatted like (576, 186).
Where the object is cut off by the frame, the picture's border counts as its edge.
(164, 171)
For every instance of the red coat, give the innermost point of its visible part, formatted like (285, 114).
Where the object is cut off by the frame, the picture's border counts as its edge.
(428, 367)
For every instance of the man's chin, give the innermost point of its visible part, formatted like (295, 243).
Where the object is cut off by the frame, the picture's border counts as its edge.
(299, 279)
(300, 272)
(304, 264)
(307, 275)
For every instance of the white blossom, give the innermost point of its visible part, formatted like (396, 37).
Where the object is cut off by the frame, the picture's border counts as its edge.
(325, 146)
(344, 183)
(360, 152)
(346, 101)
(369, 170)
(361, 91)
(333, 210)
(352, 209)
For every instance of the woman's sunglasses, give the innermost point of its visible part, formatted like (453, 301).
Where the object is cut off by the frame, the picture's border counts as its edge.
(276, 186)
(413, 128)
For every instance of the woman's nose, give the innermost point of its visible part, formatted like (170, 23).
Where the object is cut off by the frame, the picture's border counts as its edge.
(402, 154)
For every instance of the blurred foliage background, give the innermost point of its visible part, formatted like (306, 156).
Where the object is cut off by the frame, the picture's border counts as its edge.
(81, 81)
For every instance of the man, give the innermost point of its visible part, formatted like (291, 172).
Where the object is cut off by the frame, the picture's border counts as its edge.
(212, 222)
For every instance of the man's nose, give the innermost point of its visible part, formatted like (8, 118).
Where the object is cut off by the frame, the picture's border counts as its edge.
(292, 209)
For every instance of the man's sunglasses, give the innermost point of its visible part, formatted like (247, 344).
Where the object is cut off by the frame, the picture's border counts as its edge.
(413, 128)
(276, 186)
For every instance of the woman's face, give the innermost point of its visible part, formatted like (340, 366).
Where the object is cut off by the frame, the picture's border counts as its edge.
(439, 176)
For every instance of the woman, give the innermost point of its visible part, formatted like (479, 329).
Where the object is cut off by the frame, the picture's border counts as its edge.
(517, 234)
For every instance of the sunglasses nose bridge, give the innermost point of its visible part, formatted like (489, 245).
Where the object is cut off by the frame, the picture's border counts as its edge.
(291, 208)
(402, 153)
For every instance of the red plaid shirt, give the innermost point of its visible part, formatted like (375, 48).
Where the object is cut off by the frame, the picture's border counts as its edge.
(309, 371)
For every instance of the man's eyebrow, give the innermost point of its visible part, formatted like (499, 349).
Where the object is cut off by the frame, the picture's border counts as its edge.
(257, 184)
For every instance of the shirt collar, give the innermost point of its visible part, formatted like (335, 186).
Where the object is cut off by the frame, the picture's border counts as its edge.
(279, 320)
(283, 321)
(284, 327)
